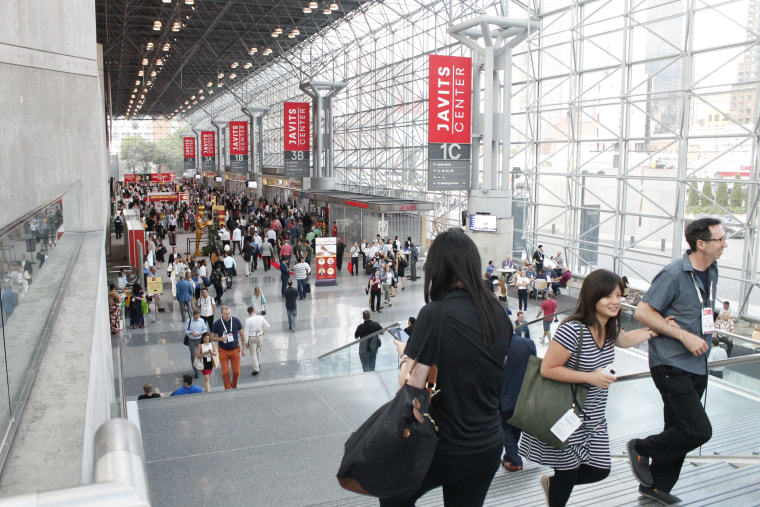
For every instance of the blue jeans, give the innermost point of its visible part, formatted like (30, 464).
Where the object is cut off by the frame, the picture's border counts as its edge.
(292, 317)
(301, 293)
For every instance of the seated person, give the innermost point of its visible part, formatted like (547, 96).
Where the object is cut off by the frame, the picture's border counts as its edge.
(540, 285)
(489, 271)
(529, 271)
(561, 282)
(187, 386)
(507, 263)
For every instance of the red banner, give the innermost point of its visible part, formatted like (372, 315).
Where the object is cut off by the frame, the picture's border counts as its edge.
(238, 138)
(208, 143)
(297, 126)
(450, 99)
(163, 177)
(325, 253)
(189, 144)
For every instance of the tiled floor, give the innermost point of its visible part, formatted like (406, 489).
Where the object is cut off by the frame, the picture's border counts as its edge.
(279, 442)
(326, 320)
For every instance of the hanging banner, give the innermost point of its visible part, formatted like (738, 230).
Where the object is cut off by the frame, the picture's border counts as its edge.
(449, 122)
(325, 252)
(297, 148)
(189, 148)
(239, 147)
(163, 177)
(208, 150)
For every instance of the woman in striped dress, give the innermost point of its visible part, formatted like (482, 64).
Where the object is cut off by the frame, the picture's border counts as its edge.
(596, 322)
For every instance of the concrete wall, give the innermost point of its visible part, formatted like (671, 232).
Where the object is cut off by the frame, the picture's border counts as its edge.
(52, 121)
(52, 126)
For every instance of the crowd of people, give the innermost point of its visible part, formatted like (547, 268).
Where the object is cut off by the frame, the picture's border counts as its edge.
(255, 234)
(472, 336)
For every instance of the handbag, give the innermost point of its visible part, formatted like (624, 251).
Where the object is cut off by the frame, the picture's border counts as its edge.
(306, 288)
(542, 401)
(198, 363)
(144, 307)
(186, 341)
(390, 454)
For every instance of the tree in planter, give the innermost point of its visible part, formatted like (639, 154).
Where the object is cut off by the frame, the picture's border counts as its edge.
(707, 194)
(692, 203)
(721, 194)
(737, 195)
(214, 244)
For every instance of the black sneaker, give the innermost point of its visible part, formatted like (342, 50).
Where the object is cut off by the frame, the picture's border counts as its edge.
(639, 465)
(659, 496)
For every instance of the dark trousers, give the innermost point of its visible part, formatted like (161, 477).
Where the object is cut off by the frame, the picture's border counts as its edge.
(511, 437)
(522, 299)
(465, 479)
(267, 262)
(561, 484)
(374, 300)
(355, 262)
(367, 359)
(686, 424)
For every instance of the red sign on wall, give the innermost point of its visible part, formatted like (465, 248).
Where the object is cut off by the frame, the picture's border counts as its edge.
(297, 126)
(208, 143)
(238, 138)
(189, 144)
(450, 99)
(163, 177)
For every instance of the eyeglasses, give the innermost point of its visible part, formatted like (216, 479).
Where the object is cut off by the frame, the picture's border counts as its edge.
(722, 239)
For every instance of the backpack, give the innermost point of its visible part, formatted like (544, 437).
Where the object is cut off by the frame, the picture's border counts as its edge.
(215, 278)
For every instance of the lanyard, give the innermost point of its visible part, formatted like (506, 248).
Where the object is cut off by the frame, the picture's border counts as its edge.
(699, 292)
(225, 327)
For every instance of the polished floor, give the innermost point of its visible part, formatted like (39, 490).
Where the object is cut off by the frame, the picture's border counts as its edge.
(326, 320)
(277, 440)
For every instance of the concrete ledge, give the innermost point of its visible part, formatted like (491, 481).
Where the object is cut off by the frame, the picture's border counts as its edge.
(73, 389)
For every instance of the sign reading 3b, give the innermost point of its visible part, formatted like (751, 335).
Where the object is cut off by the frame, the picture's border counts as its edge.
(449, 122)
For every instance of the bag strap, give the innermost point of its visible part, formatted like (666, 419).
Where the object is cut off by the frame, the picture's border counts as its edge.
(574, 386)
(430, 386)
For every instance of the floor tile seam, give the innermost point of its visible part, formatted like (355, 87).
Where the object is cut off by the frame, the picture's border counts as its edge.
(245, 448)
(329, 407)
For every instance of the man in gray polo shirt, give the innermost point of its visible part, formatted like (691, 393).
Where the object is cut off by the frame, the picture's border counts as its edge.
(685, 290)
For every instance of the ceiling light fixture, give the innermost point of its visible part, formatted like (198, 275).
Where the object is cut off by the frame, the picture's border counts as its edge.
(140, 73)
(291, 35)
(334, 6)
(192, 97)
(247, 65)
(234, 65)
(187, 102)
(219, 84)
(157, 25)
(149, 46)
(307, 10)
(314, 5)
(153, 73)
(144, 61)
(326, 10)
(167, 47)
(253, 51)
(209, 84)
(202, 97)
(220, 75)
(189, 2)
(159, 62)
(137, 82)
(149, 83)
(167, 1)
(176, 26)
(275, 34)
(233, 75)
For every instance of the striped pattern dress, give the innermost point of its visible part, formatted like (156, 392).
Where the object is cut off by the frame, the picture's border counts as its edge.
(590, 443)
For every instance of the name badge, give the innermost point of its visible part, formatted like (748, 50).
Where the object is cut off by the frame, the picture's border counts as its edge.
(708, 323)
(566, 425)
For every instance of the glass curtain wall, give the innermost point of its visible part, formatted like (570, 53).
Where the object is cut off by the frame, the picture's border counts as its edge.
(630, 118)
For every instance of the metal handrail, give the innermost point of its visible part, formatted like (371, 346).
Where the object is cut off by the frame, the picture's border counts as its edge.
(360, 340)
(119, 474)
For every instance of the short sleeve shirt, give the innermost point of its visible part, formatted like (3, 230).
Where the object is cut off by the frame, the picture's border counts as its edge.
(467, 408)
(674, 293)
(230, 330)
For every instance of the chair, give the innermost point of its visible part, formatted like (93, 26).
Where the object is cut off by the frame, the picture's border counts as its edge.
(540, 288)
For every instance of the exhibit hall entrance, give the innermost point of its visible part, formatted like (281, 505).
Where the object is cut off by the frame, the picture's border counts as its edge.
(363, 216)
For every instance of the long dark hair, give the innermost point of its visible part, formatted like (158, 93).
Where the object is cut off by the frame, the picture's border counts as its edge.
(453, 262)
(597, 285)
